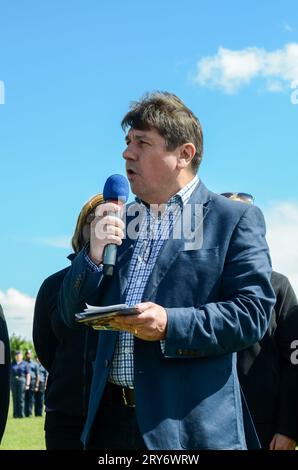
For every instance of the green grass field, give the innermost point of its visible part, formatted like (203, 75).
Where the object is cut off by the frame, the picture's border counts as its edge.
(23, 434)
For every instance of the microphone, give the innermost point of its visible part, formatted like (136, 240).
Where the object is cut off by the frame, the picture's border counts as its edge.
(116, 189)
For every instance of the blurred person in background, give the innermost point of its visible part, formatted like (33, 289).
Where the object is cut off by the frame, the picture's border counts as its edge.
(19, 382)
(66, 354)
(4, 372)
(267, 375)
(32, 386)
(40, 389)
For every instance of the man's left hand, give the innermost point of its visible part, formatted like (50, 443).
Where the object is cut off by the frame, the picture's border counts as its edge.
(281, 442)
(150, 324)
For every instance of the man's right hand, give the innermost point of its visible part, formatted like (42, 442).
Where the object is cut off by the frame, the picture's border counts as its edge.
(107, 227)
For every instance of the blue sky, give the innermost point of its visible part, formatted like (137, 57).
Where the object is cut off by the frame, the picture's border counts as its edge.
(70, 69)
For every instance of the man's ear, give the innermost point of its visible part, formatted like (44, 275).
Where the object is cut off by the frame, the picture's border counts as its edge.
(186, 154)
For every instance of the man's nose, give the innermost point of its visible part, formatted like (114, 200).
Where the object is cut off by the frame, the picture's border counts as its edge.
(128, 154)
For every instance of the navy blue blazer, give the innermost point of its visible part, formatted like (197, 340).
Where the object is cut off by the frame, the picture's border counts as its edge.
(218, 300)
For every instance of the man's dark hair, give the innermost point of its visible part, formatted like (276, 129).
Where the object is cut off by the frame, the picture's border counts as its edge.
(166, 113)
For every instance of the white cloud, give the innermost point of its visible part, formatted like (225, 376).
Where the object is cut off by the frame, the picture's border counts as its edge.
(282, 237)
(57, 242)
(232, 69)
(18, 310)
(274, 86)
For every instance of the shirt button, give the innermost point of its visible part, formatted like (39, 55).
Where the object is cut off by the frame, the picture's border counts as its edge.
(107, 363)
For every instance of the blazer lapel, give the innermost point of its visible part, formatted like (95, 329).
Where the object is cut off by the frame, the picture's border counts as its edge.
(201, 197)
(123, 262)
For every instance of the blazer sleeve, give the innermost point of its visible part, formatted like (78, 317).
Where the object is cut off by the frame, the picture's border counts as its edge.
(4, 373)
(79, 286)
(44, 339)
(287, 334)
(241, 315)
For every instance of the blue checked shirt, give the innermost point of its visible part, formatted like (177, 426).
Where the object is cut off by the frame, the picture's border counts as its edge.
(154, 230)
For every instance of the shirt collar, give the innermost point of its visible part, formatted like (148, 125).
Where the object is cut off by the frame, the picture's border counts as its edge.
(181, 198)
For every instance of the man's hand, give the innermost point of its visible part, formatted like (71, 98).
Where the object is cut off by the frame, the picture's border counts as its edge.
(150, 324)
(281, 442)
(105, 228)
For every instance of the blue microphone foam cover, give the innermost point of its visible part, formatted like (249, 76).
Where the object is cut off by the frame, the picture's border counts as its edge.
(116, 188)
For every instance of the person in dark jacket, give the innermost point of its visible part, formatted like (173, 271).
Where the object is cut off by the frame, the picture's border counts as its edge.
(267, 374)
(4, 372)
(65, 353)
(269, 378)
(40, 389)
(34, 382)
(19, 382)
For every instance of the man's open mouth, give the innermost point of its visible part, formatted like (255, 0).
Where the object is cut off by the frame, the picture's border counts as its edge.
(130, 172)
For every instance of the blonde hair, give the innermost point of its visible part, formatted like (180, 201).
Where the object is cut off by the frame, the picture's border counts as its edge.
(77, 240)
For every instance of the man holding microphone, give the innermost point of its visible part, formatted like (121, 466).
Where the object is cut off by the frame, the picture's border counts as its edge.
(167, 378)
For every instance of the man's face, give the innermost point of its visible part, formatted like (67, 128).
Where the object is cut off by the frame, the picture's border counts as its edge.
(150, 167)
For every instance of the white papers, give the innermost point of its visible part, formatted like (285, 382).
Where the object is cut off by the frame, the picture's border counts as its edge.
(110, 308)
(99, 317)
